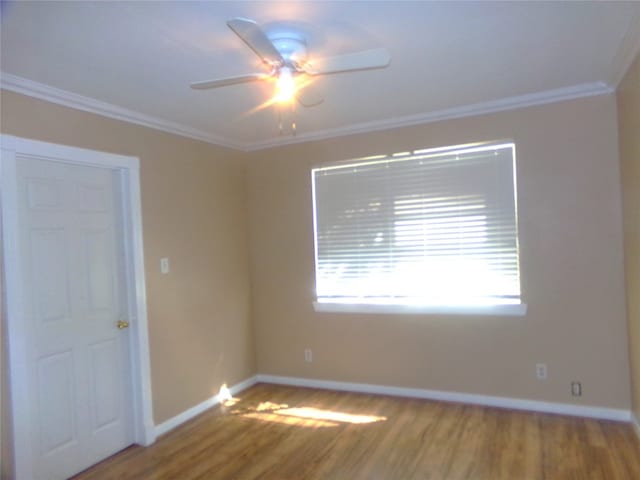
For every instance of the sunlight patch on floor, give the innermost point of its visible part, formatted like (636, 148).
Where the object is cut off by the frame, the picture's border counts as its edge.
(341, 417)
(289, 420)
(304, 416)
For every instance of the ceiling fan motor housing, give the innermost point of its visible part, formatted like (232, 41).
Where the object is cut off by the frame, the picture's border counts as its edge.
(292, 47)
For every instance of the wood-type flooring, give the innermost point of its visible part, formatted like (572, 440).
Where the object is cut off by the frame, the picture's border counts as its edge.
(286, 433)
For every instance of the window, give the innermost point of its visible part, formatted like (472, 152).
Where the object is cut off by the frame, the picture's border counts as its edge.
(429, 230)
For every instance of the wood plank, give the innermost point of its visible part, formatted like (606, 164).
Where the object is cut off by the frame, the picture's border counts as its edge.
(285, 433)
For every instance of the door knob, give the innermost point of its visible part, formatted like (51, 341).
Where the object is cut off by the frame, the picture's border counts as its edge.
(122, 324)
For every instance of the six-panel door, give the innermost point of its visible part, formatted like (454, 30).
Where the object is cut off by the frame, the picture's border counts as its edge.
(78, 360)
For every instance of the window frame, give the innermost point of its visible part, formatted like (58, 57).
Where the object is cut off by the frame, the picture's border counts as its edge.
(350, 306)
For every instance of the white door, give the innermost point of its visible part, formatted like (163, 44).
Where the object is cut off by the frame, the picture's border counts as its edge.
(77, 359)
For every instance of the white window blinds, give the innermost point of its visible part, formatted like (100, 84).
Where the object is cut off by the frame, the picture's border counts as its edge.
(432, 227)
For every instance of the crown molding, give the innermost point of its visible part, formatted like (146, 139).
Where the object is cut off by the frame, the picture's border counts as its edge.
(62, 97)
(504, 104)
(627, 52)
(65, 98)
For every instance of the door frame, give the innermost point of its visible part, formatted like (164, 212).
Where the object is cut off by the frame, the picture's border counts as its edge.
(127, 171)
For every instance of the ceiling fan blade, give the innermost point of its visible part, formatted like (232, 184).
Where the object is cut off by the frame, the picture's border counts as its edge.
(223, 82)
(252, 35)
(365, 60)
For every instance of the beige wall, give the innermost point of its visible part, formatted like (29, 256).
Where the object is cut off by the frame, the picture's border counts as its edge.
(194, 212)
(629, 135)
(572, 275)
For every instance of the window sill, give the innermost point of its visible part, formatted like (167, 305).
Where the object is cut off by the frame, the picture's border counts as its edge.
(486, 310)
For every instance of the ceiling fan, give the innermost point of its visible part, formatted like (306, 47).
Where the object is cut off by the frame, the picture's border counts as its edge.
(285, 56)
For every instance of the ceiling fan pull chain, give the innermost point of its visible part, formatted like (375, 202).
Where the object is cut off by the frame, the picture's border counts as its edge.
(293, 119)
(286, 116)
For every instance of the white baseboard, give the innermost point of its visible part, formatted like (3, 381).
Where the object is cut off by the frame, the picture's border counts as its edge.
(484, 400)
(179, 419)
(489, 401)
(636, 424)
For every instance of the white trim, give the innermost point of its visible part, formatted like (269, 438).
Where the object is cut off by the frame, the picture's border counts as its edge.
(65, 98)
(483, 108)
(518, 310)
(469, 398)
(22, 450)
(127, 167)
(636, 424)
(62, 97)
(134, 252)
(187, 415)
(628, 50)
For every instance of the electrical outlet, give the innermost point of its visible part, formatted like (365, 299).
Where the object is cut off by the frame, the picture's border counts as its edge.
(308, 355)
(541, 371)
(576, 389)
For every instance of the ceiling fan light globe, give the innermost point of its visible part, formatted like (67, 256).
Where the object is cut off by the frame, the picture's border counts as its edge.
(285, 86)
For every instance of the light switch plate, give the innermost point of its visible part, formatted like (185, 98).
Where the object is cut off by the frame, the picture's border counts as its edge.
(164, 265)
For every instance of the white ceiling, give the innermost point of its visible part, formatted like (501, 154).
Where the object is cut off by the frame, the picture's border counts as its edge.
(135, 60)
